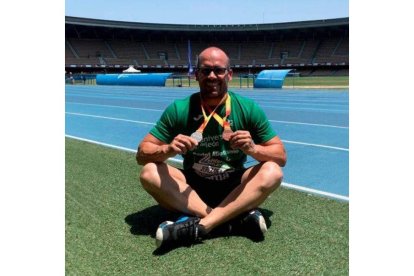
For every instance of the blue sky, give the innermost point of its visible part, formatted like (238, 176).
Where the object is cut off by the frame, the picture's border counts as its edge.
(208, 12)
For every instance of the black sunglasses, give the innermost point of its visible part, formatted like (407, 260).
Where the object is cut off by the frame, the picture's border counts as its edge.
(217, 70)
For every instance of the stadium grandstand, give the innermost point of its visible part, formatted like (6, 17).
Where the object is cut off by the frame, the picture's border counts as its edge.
(311, 48)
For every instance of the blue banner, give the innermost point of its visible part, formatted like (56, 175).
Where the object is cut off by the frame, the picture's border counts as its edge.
(190, 67)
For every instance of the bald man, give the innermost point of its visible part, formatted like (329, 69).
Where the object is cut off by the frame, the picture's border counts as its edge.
(214, 130)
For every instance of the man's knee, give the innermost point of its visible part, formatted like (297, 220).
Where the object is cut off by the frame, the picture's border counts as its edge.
(272, 176)
(149, 175)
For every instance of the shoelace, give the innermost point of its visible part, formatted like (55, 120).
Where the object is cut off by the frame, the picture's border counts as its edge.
(188, 230)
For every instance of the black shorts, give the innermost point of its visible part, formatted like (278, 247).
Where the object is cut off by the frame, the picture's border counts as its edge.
(213, 192)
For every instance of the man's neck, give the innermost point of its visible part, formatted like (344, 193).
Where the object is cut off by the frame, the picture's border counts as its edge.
(213, 102)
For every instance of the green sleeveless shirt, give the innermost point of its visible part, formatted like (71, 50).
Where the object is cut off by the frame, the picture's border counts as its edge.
(213, 158)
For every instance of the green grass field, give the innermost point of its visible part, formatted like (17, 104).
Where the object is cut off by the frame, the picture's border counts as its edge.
(111, 222)
(317, 81)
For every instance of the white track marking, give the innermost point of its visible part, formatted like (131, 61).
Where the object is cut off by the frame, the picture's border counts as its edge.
(117, 106)
(314, 145)
(149, 123)
(308, 124)
(313, 191)
(284, 184)
(109, 118)
(161, 110)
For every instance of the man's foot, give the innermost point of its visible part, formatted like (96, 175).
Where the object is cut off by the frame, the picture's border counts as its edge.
(252, 225)
(186, 230)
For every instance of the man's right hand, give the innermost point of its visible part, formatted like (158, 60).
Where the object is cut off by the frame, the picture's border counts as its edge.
(181, 144)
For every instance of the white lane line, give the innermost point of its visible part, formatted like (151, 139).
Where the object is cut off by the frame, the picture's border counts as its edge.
(100, 143)
(113, 146)
(109, 118)
(314, 191)
(116, 106)
(314, 145)
(149, 123)
(304, 108)
(284, 184)
(161, 110)
(308, 124)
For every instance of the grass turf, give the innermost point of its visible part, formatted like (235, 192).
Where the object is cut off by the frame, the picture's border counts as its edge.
(111, 222)
(316, 81)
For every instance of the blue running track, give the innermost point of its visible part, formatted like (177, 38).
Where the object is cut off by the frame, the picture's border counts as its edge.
(313, 124)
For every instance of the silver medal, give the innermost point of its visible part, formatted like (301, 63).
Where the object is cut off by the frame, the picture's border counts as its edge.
(198, 136)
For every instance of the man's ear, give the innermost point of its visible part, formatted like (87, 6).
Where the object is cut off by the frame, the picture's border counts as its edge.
(230, 74)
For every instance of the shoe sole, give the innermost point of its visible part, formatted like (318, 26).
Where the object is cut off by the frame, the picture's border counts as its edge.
(262, 224)
(162, 233)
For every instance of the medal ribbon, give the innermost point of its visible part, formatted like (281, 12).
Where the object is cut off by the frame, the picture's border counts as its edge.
(222, 121)
(207, 118)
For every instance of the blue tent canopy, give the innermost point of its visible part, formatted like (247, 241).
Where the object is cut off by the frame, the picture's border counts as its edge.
(271, 78)
(141, 79)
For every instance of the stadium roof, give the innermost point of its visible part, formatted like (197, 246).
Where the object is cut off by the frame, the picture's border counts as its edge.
(206, 28)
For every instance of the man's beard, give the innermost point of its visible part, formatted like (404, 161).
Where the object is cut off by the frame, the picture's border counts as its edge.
(214, 89)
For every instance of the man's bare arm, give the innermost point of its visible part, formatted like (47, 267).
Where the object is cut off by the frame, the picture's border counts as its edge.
(272, 150)
(152, 149)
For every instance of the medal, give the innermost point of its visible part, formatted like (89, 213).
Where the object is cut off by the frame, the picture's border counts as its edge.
(227, 134)
(197, 135)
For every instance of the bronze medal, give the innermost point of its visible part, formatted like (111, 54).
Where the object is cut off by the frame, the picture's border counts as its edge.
(227, 132)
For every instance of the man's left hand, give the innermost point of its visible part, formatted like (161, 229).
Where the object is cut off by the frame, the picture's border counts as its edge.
(241, 139)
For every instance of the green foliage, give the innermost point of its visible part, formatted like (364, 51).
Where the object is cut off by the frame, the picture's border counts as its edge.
(111, 222)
